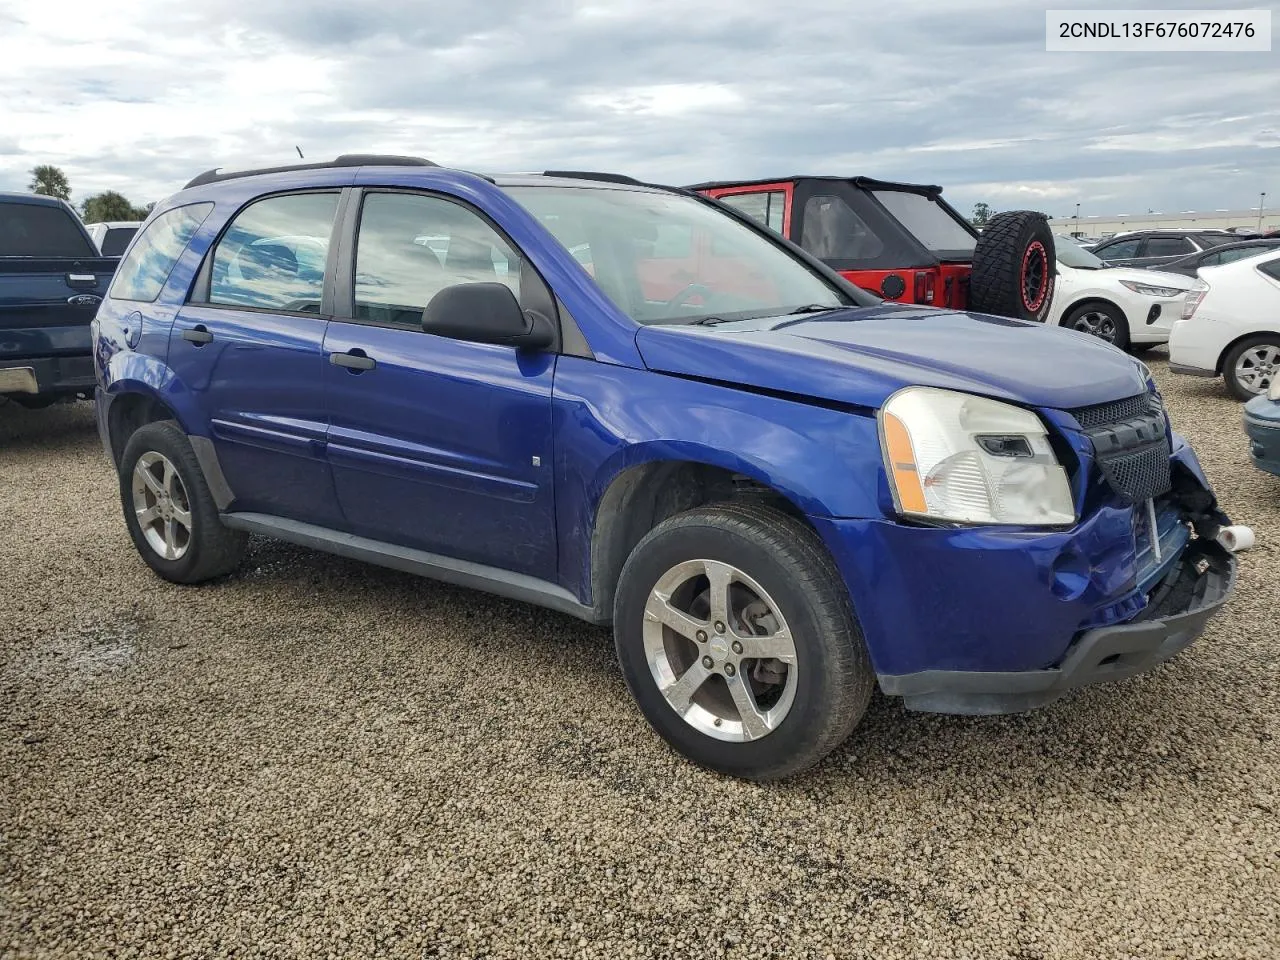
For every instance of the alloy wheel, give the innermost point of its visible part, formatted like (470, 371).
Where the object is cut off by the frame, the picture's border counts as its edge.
(1097, 323)
(1256, 367)
(720, 650)
(161, 505)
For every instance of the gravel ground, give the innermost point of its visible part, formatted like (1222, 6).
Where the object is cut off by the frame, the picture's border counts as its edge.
(318, 758)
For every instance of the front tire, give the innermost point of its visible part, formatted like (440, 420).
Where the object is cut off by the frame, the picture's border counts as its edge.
(1103, 320)
(171, 516)
(1251, 365)
(738, 641)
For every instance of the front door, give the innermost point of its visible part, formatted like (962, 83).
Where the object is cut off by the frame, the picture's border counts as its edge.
(438, 444)
(248, 347)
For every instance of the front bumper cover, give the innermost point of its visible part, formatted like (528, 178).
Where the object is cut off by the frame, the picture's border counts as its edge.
(1264, 434)
(1193, 591)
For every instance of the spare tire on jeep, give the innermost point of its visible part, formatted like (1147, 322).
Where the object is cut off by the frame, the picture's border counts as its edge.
(1014, 266)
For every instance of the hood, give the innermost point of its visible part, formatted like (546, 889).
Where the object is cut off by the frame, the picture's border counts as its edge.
(860, 356)
(1153, 278)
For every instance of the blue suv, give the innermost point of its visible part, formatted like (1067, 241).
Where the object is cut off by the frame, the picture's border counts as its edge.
(635, 405)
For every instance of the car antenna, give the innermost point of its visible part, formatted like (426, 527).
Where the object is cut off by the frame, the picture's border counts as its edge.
(299, 149)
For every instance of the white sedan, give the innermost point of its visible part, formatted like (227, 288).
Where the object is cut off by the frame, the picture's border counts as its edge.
(1126, 306)
(1231, 326)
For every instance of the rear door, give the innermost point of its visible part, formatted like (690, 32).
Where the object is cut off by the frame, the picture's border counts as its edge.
(438, 444)
(247, 345)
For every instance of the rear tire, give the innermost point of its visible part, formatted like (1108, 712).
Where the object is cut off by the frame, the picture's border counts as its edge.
(1250, 366)
(171, 516)
(795, 712)
(1014, 267)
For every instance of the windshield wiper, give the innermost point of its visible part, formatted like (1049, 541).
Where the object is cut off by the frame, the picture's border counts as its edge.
(712, 321)
(812, 308)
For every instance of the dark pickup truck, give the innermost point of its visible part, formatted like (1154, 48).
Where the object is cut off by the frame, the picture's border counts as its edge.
(51, 282)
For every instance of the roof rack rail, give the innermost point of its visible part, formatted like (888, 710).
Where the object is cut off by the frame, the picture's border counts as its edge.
(590, 175)
(346, 160)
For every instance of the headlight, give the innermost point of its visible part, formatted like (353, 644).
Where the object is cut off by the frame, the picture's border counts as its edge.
(1147, 290)
(968, 459)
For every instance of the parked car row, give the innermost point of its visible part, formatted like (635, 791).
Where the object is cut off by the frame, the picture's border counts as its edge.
(1147, 248)
(640, 405)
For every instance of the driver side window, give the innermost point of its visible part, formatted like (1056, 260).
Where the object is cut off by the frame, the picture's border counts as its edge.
(412, 246)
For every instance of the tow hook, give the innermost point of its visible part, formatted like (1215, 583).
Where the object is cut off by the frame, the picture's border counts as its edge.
(1235, 539)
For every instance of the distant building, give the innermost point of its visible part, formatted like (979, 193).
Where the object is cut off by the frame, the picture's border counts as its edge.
(1094, 227)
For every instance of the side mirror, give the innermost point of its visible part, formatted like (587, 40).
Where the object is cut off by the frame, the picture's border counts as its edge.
(486, 313)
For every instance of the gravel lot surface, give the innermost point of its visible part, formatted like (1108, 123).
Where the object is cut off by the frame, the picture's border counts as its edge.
(318, 758)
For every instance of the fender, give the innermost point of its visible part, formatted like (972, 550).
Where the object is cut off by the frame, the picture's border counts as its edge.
(607, 419)
(135, 373)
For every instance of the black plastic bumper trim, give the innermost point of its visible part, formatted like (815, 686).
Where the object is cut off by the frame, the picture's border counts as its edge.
(1100, 655)
(1187, 371)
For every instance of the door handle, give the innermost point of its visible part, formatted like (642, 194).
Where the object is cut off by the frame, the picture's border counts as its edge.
(357, 361)
(199, 335)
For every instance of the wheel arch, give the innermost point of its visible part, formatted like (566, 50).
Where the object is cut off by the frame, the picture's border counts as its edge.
(1099, 300)
(1222, 354)
(640, 495)
(132, 405)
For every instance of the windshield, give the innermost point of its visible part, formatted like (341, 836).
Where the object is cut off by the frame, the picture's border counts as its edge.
(1074, 255)
(929, 223)
(665, 258)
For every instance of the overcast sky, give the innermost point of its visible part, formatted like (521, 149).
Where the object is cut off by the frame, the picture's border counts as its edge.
(140, 96)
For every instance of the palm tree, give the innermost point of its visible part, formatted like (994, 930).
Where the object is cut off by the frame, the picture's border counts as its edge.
(50, 181)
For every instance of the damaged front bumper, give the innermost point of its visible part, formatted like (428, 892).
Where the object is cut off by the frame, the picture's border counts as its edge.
(1196, 587)
(998, 620)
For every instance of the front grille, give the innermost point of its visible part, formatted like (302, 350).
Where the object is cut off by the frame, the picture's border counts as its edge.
(1104, 414)
(1130, 444)
(1139, 476)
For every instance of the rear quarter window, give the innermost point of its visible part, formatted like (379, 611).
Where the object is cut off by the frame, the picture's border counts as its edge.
(41, 230)
(144, 272)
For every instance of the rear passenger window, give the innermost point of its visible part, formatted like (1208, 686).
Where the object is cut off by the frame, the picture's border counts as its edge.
(273, 255)
(116, 240)
(144, 272)
(833, 231)
(411, 247)
(1168, 247)
(1271, 268)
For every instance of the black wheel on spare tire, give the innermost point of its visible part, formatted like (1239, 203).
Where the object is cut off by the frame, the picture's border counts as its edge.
(170, 513)
(1014, 267)
(737, 638)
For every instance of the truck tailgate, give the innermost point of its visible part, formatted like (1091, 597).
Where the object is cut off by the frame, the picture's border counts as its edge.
(46, 303)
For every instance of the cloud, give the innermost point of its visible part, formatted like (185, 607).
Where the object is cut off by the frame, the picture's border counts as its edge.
(675, 90)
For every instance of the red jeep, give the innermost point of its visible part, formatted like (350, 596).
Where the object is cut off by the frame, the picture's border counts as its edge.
(903, 242)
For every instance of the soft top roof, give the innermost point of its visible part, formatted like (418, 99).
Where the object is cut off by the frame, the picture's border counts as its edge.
(863, 183)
